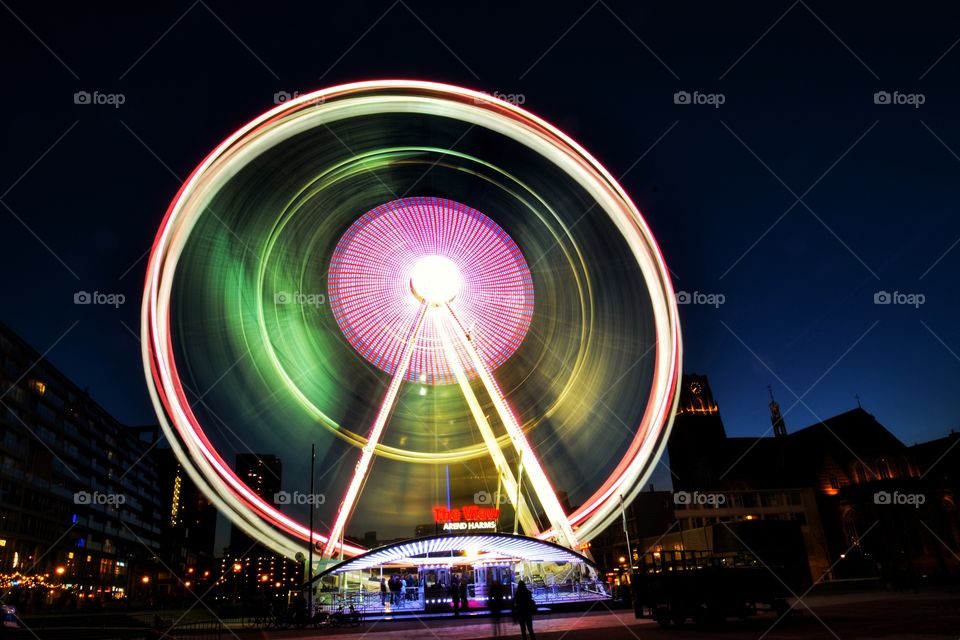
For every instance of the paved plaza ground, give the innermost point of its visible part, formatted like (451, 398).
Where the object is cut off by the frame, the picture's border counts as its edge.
(931, 615)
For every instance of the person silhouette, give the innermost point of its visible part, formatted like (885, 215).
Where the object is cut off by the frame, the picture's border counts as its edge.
(524, 608)
(455, 594)
(495, 595)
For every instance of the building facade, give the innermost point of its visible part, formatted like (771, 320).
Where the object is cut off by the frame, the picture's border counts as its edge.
(867, 506)
(80, 508)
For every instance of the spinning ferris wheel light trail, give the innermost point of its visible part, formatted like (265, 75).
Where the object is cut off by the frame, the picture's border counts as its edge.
(433, 290)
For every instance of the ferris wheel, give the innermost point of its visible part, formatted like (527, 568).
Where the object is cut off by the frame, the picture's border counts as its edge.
(417, 275)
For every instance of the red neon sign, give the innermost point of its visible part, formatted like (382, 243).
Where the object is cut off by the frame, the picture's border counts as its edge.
(469, 513)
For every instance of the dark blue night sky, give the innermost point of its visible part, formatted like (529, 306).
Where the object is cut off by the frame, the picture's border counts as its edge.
(796, 200)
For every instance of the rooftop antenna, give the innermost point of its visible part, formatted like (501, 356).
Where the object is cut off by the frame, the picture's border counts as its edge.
(776, 419)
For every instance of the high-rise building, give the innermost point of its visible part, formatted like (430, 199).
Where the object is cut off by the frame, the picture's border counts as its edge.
(250, 571)
(79, 500)
(262, 473)
(189, 525)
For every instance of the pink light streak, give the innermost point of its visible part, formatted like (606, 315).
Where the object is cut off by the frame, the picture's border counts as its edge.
(369, 284)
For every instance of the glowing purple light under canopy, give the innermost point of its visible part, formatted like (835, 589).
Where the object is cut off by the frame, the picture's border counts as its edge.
(412, 251)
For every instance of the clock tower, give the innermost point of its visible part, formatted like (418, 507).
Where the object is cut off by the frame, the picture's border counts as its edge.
(697, 436)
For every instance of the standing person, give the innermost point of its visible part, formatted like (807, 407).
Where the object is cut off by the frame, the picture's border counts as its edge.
(523, 609)
(463, 593)
(455, 594)
(394, 590)
(383, 591)
(495, 595)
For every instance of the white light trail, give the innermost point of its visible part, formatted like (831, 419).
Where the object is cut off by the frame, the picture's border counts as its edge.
(499, 460)
(366, 456)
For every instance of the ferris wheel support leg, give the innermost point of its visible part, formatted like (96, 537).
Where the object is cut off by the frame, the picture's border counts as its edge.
(538, 478)
(504, 472)
(379, 424)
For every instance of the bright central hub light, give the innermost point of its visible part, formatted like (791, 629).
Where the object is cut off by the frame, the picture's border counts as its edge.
(435, 279)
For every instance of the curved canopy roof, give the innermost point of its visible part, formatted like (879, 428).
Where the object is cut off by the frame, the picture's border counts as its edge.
(465, 548)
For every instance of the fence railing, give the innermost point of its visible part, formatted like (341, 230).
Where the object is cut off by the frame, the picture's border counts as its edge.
(372, 600)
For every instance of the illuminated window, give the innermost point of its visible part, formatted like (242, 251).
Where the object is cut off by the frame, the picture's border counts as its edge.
(39, 386)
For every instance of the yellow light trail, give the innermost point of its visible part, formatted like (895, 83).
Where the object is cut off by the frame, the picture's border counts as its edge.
(538, 478)
(527, 520)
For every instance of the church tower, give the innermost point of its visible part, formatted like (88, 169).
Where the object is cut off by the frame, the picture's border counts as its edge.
(697, 436)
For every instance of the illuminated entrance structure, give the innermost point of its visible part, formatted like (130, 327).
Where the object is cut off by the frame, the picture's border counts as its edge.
(554, 573)
(443, 291)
